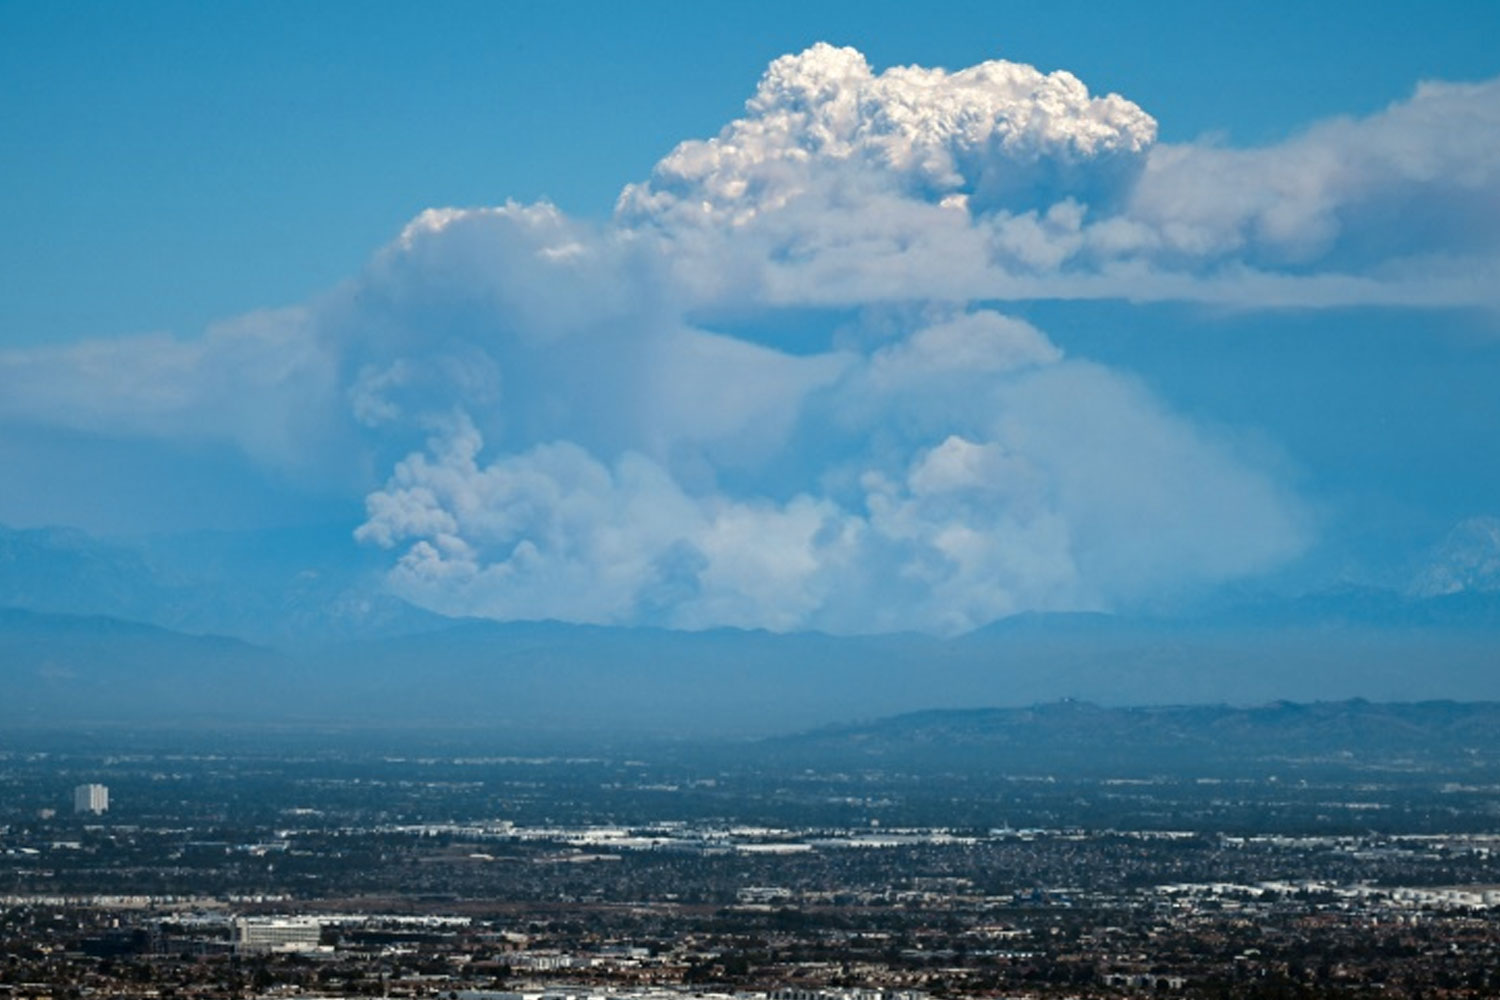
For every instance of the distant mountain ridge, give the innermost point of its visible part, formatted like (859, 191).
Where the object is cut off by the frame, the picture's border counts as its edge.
(68, 670)
(1411, 724)
(301, 588)
(1077, 733)
(560, 678)
(290, 587)
(1466, 608)
(319, 638)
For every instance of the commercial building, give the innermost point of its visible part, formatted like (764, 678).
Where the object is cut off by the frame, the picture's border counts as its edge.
(268, 934)
(91, 799)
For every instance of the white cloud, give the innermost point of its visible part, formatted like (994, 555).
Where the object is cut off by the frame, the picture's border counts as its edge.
(265, 384)
(1420, 178)
(1072, 489)
(995, 133)
(998, 182)
(979, 343)
(544, 431)
(553, 532)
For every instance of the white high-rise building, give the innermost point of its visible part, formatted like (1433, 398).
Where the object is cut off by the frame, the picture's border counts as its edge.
(91, 799)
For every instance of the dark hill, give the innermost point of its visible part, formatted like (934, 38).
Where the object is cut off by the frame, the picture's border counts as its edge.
(1083, 736)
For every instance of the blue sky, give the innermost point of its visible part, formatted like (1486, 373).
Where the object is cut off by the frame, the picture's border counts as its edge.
(853, 365)
(169, 164)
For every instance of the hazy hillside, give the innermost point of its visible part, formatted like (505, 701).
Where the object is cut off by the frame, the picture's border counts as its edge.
(290, 587)
(350, 653)
(561, 678)
(1080, 735)
(65, 670)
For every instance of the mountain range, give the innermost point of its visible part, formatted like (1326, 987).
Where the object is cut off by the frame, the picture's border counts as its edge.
(1074, 735)
(272, 628)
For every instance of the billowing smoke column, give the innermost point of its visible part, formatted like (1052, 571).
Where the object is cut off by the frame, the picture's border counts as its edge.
(937, 469)
(611, 423)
